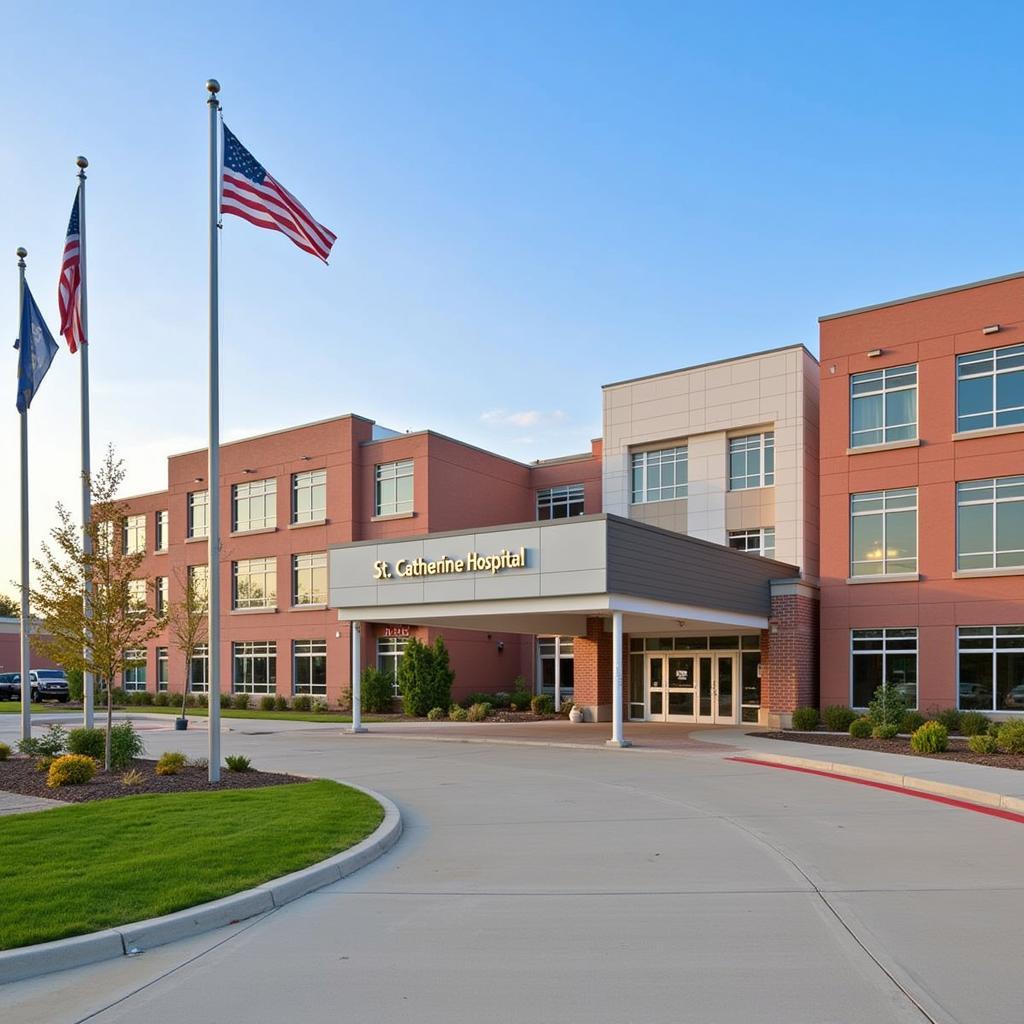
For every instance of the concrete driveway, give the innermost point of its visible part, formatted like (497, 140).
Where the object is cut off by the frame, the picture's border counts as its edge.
(596, 885)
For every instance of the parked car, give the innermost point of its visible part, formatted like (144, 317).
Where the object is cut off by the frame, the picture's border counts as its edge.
(47, 684)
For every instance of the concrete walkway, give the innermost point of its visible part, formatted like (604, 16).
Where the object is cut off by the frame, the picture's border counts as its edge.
(15, 803)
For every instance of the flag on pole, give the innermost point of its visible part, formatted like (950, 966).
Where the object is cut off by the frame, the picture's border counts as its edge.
(69, 292)
(36, 349)
(249, 192)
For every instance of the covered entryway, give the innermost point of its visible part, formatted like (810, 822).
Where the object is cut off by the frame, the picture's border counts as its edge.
(691, 688)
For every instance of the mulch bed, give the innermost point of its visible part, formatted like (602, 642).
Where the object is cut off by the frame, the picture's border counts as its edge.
(520, 716)
(900, 745)
(18, 775)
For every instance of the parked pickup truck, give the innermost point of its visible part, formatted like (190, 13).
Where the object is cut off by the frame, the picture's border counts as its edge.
(47, 684)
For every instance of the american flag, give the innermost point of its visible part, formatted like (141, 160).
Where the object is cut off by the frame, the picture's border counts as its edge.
(69, 292)
(249, 192)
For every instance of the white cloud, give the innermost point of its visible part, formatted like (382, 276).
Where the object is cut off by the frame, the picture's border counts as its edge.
(523, 418)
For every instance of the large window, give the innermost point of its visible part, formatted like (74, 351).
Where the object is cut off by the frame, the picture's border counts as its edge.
(990, 388)
(990, 523)
(254, 505)
(255, 667)
(309, 578)
(199, 669)
(883, 532)
(991, 668)
(752, 461)
(199, 578)
(162, 595)
(389, 653)
(309, 496)
(135, 669)
(137, 597)
(880, 656)
(883, 406)
(660, 475)
(162, 530)
(162, 669)
(552, 651)
(394, 488)
(760, 542)
(310, 671)
(199, 514)
(134, 534)
(255, 583)
(560, 502)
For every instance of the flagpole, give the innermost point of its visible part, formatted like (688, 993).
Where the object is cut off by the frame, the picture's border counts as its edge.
(26, 682)
(87, 677)
(213, 473)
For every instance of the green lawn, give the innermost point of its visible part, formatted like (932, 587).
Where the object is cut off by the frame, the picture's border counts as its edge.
(13, 707)
(288, 716)
(84, 867)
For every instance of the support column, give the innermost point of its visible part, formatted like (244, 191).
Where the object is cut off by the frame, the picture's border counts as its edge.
(356, 686)
(789, 666)
(558, 674)
(617, 739)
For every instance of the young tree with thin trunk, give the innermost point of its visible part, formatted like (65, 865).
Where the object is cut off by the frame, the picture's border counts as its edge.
(188, 624)
(120, 618)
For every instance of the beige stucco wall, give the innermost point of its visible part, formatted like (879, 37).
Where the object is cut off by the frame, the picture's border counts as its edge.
(704, 406)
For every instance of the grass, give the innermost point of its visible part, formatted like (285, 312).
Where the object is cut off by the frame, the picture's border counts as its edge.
(152, 709)
(13, 707)
(84, 867)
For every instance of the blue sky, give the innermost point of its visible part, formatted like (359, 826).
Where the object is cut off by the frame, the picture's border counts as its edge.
(531, 200)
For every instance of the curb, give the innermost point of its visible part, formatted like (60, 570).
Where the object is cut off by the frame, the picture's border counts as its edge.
(983, 797)
(131, 939)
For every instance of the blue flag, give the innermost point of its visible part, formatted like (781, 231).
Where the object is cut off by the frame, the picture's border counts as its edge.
(36, 349)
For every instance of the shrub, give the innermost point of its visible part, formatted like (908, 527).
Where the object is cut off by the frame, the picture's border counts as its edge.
(76, 684)
(458, 714)
(280, 703)
(201, 700)
(982, 743)
(70, 770)
(425, 677)
(993, 728)
(91, 742)
(1011, 737)
(301, 702)
(5, 751)
(519, 701)
(911, 721)
(133, 778)
(190, 701)
(930, 738)
(884, 732)
(145, 698)
(43, 764)
(479, 711)
(567, 706)
(838, 717)
(171, 763)
(477, 698)
(125, 745)
(267, 702)
(162, 699)
(29, 746)
(377, 691)
(973, 723)
(949, 717)
(542, 704)
(240, 701)
(225, 701)
(501, 699)
(805, 719)
(860, 728)
(53, 742)
(888, 706)
(319, 705)
(237, 763)
(435, 714)
(199, 762)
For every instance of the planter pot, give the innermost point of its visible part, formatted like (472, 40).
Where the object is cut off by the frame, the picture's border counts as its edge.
(575, 715)
(181, 724)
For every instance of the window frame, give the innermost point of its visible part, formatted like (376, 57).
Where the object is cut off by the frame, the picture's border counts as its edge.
(196, 501)
(759, 533)
(887, 634)
(131, 680)
(161, 595)
(319, 597)
(161, 530)
(885, 496)
(314, 481)
(309, 655)
(677, 456)
(388, 649)
(995, 356)
(247, 492)
(1013, 635)
(201, 660)
(744, 445)
(393, 473)
(883, 374)
(133, 534)
(255, 568)
(163, 670)
(570, 498)
(994, 483)
(249, 654)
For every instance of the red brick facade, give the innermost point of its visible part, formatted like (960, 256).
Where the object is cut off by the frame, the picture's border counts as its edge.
(789, 653)
(592, 671)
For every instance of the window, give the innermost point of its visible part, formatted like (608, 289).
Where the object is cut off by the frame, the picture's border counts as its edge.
(134, 534)
(660, 475)
(135, 669)
(199, 669)
(162, 593)
(394, 488)
(389, 653)
(883, 406)
(255, 583)
(752, 461)
(560, 502)
(990, 388)
(162, 530)
(750, 684)
(883, 532)
(254, 505)
(880, 656)
(760, 542)
(552, 650)
(310, 658)
(255, 667)
(199, 578)
(991, 668)
(990, 523)
(309, 496)
(309, 578)
(162, 668)
(137, 596)
(199, 514)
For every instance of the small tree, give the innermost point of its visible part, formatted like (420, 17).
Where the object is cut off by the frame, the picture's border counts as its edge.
(888, 706)
(118, 619)
(424, 677)
(9, 608)
(189, 624)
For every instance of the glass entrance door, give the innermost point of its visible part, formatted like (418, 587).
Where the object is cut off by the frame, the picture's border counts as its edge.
(716, 688)
(671, 687)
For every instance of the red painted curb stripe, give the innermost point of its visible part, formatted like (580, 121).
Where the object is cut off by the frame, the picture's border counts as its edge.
(964, 805)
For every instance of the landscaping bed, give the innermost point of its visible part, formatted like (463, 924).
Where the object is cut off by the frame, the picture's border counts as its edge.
(899, 745)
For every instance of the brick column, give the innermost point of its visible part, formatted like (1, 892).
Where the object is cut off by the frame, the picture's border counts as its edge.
(592, 672)
(789, 652)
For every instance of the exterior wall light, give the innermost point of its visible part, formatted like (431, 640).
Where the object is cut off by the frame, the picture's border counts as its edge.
(874, 353)
(991, 329)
